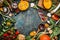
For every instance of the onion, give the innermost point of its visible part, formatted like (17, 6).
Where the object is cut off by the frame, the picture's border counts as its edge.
(41, 27)
(14, 5)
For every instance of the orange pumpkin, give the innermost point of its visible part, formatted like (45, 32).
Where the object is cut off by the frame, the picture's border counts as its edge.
(47, 4)
(23, 5)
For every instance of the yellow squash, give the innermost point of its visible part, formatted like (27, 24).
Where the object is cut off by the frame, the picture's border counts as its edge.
(8, 23)
(47, 4)
(23, 5)
(46, 25)
(33, 33)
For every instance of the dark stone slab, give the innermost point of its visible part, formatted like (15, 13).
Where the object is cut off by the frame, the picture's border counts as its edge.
(27, 21)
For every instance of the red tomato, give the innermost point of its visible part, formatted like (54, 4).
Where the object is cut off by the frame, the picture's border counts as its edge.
(55, 17)
(9, 39)
(17, 32)
(14, 36)
(44, 37)
(5, 35)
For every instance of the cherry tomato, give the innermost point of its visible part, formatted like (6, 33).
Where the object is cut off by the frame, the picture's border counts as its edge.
(17, 32)
(14, 36)
(5, 35)
(55, 17)
(9, 38)
(44, 37)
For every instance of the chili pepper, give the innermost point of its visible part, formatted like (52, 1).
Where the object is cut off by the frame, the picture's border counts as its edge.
(42, 16)
(5, 35)
(55, 17)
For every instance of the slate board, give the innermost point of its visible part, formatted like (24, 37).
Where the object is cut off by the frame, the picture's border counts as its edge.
(27, 21)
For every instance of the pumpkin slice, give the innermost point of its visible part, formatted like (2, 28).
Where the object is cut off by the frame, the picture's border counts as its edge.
(47, 4)
(40, 3)
(23, 5)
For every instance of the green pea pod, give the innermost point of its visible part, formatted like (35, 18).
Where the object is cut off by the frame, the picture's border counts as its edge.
(35, 7)
(1, 33)
(6, 3)
(28, 38)
(52, 22)
(53, 7)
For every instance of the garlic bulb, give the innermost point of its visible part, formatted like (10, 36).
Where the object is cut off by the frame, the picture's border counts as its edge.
(49, 14)
(5, 9)
(32, 4)
(21, 37)
(14, 5)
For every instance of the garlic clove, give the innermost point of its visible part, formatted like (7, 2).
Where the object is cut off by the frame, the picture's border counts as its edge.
(32, 4)
(49, 14)
(14, 5)
(48, 21)
(48, 29)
